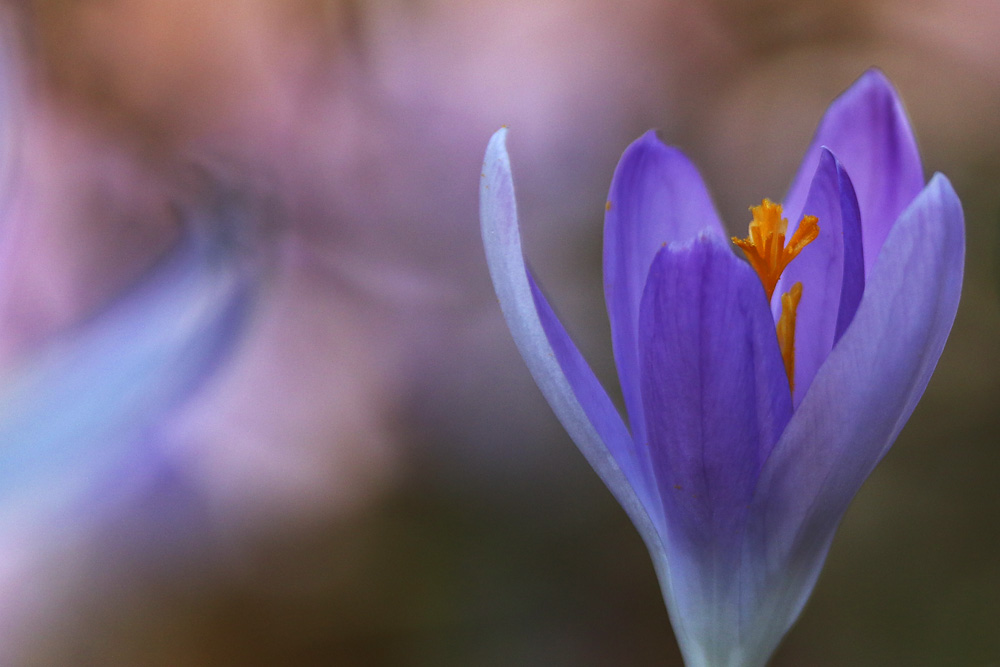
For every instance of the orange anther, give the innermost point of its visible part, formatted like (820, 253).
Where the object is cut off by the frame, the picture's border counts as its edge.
(786, 330)
(765, 247)
(767, 253)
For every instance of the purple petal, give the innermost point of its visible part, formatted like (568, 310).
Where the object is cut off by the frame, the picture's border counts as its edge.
(866, 128)
(858, 402)
(656, 197)
(576, 397)
(713, 384)
(716, 399)
(831, 270)
(595, 403)
(852, 288)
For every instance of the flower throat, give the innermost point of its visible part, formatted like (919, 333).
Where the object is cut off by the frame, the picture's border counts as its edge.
(767, 253)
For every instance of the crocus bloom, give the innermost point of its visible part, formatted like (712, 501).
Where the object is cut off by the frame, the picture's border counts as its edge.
(753, 420)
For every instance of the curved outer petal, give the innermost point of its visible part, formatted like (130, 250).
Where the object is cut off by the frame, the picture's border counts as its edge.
(859, 401)
(831, 270)
(656, 197)
(596, 405)
(866, 128)
(581, 405)
(716, 399)
(71, 413)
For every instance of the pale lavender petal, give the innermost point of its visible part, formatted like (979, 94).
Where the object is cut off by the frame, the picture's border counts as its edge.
(716, 398)
(858, 402)
(867, 129)
(656, 197)
(596, 404)
(825, 267)
(569, 386)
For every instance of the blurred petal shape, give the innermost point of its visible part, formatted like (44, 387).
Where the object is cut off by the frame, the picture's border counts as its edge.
(71, 411)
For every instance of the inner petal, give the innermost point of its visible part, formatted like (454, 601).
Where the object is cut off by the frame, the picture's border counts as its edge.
(713, 387)
(656, 197)
(831, 270)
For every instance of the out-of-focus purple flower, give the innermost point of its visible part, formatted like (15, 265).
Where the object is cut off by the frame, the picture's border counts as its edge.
(746, 447)
(72, 411)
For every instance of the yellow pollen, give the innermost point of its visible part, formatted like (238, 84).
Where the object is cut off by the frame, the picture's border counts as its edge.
(786, 330)
(765, 246)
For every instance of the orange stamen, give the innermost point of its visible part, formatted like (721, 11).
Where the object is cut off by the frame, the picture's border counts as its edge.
(767, 253)
(786, 330)
(765, 246)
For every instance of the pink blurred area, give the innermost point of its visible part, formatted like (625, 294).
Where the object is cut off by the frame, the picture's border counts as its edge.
(373, 478)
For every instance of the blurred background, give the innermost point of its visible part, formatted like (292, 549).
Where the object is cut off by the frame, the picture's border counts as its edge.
(372, 478)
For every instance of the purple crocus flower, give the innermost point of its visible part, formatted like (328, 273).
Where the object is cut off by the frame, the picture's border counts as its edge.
(753, 420)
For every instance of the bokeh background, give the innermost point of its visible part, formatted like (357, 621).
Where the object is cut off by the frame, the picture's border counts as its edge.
(372, 478)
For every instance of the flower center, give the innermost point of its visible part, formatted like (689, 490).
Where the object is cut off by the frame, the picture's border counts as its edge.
(767, 253)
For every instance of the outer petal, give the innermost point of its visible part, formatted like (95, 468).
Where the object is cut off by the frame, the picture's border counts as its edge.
(716, 399)
(831, 270)
(866, 128)
(567, 383)
(598, 407)
(70, 415)
(656, 197)
(859, 401)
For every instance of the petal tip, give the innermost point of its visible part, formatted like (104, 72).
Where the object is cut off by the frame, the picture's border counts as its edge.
(649, 145)
(875, 82)
(825, 152)
(875, 76)
(941, 182)
(828, 159)
(497, 203)
(496, 149)
(940, 189)
(650, 142)
(875, 88)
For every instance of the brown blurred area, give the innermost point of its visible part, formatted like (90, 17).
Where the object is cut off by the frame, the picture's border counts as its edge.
(375, 480)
